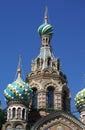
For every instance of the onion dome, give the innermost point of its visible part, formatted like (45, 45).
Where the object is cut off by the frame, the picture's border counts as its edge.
(80, 99)
(18, 90)
(45, 28)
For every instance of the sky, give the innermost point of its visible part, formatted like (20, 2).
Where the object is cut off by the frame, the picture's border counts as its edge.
(19, 21)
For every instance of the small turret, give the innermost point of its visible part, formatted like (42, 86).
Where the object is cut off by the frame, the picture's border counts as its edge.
(18, 97)
(18, 90)
(46, 58)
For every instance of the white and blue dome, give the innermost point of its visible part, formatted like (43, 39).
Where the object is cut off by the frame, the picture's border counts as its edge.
(18, 90)
(80, 99)
(45, 29)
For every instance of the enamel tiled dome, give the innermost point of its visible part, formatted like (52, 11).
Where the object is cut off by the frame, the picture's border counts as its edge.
(18, 90)
(80, 99)
(45, 29)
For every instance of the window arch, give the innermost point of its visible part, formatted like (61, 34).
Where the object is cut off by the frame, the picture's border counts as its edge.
(34, 99)
(50, 97)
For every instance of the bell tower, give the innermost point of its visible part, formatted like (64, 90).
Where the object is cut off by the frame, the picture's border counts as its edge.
(49, 84)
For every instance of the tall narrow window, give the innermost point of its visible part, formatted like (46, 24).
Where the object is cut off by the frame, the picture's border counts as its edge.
(65, 96)
(34, 101)
(18, 113)
(50, 97)
(49, 61)
(38, 62)
(9, 113)
(23, 113)
(14, 112)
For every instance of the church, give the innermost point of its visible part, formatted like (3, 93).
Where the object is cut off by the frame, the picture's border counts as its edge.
(42, 101)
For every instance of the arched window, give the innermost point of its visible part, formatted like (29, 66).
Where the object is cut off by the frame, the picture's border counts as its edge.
(41, 61)
(49, 61)
(9, 113)
(19, 113)
(23, 113)
(50, 97)
(14, 112)
(38, 62)
(34, 99)
(65, 96)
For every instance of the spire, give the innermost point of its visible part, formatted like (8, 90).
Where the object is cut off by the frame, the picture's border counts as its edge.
(19, 69)
(46, 15)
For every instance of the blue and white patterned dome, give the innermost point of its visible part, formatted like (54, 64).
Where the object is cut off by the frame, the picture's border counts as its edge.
(18, 90)
(45, 29)
(80, 99)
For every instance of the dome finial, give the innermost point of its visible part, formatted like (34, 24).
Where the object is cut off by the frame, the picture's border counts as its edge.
(19, 69)
(18, 90)
(46, 15)
(45, 28)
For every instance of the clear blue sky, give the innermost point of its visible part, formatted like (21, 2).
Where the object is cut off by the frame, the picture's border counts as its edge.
(19, 20)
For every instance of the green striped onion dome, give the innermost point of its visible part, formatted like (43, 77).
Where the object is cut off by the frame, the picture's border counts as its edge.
(45, 29)
(18, 90)
(80, 99)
